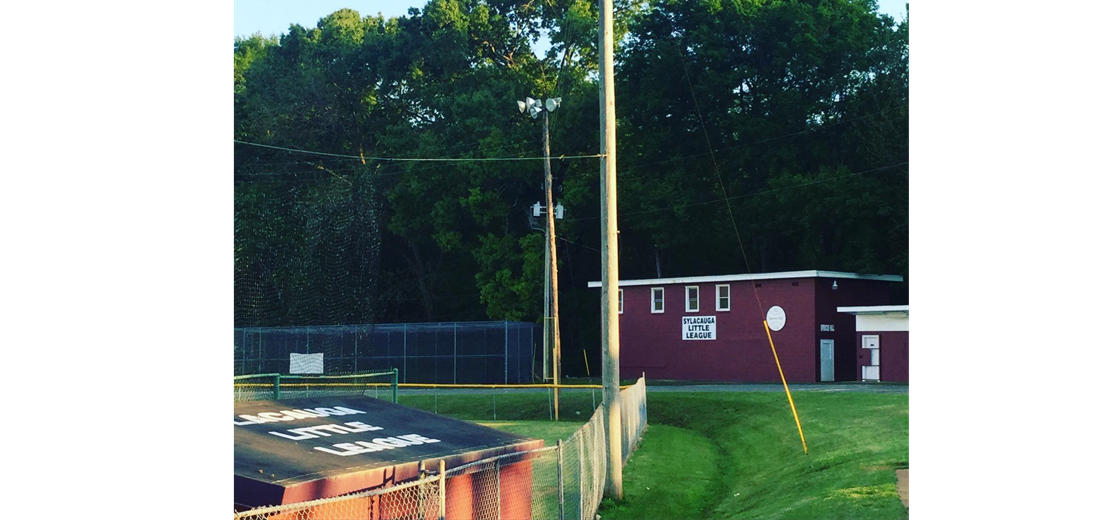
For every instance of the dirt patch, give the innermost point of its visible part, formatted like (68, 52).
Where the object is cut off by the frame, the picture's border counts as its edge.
(904, 486)
(879, 467)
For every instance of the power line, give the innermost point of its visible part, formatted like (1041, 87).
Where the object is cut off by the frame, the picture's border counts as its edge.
(579, 245)
(314, 171)
(749, 143)
(342, 157)
(721, 183)
(440, 159)
(702, 203)
(761, 141)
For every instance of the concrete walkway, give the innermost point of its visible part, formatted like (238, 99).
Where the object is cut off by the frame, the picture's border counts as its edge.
(904, 486)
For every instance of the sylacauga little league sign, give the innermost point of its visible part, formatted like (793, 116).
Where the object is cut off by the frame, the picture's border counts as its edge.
(277, 419)
(699, 328)
(302, 449)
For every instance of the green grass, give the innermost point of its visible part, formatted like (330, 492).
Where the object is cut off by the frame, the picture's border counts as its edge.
(521, 413)
(549, 431)
(734, 455)
(574, 406)
(747, 445)
(677, 485)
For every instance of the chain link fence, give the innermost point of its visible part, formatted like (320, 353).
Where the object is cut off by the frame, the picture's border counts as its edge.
(255, 387)
(560, 482)
(481, 352)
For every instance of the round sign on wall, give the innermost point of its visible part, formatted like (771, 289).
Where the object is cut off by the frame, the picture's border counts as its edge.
(776, 318)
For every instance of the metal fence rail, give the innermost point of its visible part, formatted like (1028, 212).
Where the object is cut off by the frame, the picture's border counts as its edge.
(560, 482)
(254, 387)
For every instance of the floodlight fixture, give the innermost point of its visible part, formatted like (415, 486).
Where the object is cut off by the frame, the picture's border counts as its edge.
(553, 103)
(521, 105)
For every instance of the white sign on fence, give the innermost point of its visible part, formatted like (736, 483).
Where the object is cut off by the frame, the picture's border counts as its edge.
(306, 363)
(699, 328)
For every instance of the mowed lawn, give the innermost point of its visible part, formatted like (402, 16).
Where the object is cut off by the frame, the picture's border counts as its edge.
(737, 455)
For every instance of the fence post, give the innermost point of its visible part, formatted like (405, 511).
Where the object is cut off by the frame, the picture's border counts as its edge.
(394, 385)
(455, 356)
(277, 386)
(420, 491)
(506, 352)
(260, 358)
(405, 349)
(442, 489)
(243, 370)
(581, 477)
(559, 472)
(497, 473)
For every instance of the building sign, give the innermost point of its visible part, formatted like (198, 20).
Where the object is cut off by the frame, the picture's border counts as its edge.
(699, 328)
(827, 328)
(776, 318)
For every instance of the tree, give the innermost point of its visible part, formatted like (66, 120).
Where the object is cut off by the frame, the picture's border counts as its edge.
(792, 96)
(802, 102)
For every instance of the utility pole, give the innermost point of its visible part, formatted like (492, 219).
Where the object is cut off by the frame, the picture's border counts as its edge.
(551, 268)
(554, 264)
(548, 350)
(610, 326)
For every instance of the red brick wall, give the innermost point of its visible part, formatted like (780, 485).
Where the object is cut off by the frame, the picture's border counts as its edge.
(894, 356)
(849, 292)
(652, 343)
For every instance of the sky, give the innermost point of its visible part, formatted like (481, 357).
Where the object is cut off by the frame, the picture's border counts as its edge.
(274, 16)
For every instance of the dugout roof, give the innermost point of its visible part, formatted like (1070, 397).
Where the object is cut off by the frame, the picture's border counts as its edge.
(303, 449)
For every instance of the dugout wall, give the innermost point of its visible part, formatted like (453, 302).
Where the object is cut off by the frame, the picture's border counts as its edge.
(299, 450)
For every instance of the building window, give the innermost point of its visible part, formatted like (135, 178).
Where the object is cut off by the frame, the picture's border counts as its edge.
(656, 300)
(620, 301)
(691, 298)
(724, 302)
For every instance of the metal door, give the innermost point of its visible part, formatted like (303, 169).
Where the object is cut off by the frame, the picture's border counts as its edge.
(827, 366)
(871, 346)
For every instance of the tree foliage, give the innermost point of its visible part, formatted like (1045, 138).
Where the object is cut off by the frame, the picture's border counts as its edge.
(796, 110)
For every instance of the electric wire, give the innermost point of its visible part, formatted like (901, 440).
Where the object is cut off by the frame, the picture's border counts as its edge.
(428, 159)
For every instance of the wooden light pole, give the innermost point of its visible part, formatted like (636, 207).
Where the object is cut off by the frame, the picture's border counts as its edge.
(610, 326)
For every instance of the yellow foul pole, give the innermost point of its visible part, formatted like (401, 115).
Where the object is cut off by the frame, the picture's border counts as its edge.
(784, 385)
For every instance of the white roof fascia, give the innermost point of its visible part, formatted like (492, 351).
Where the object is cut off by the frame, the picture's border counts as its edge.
(755, 276)
(876, 309)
